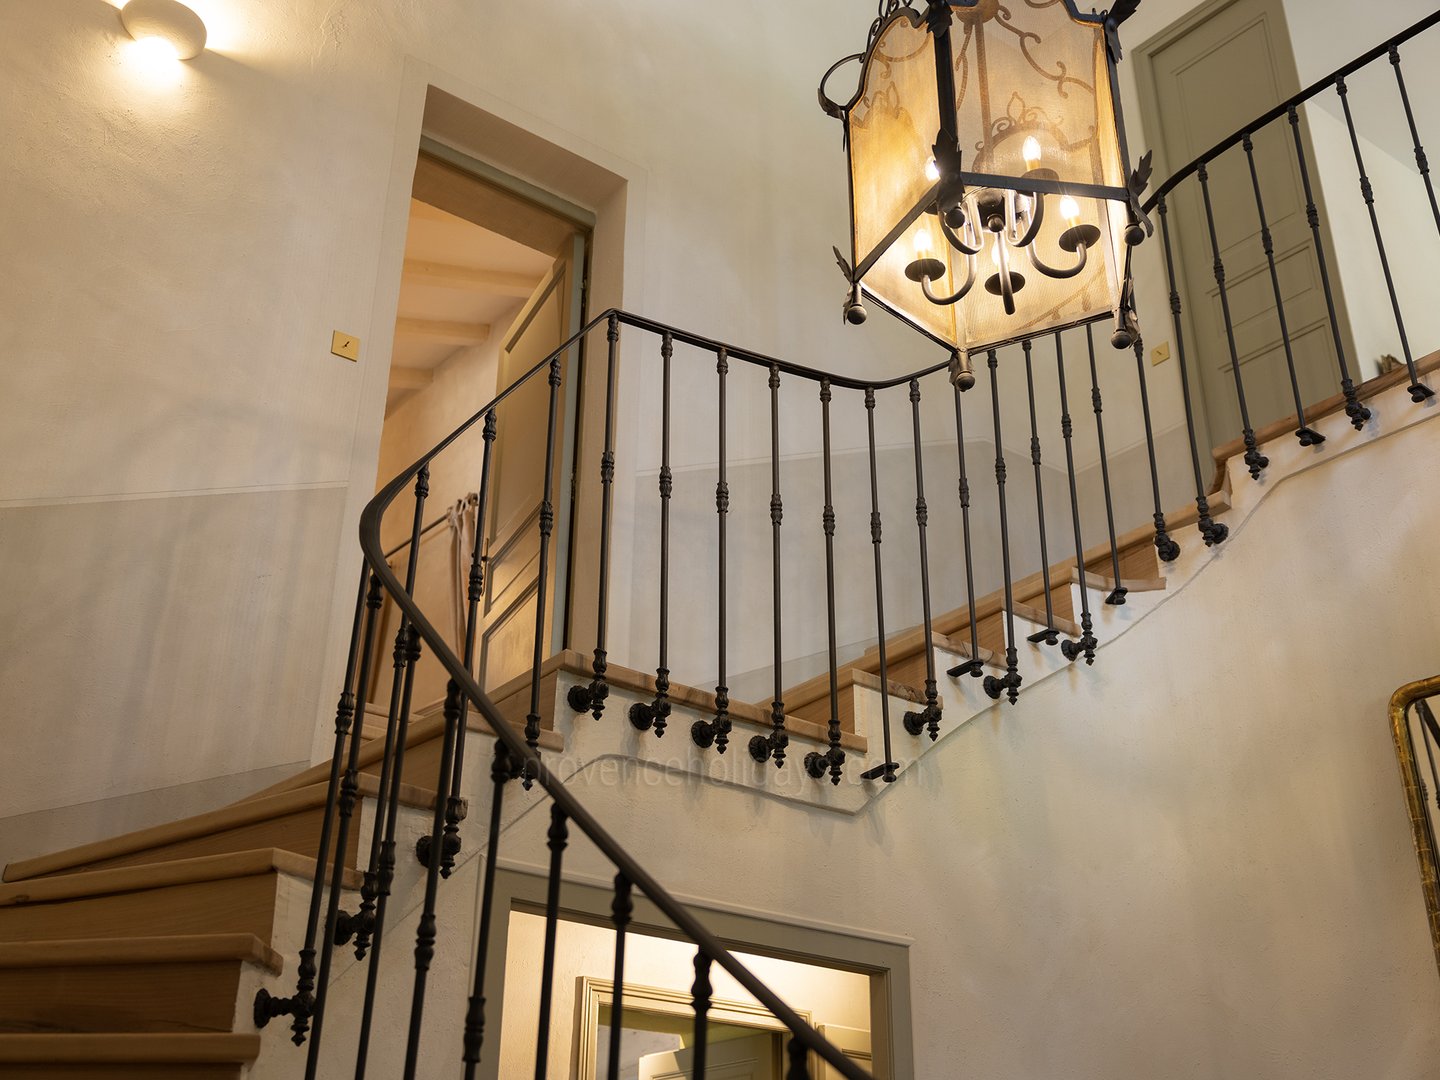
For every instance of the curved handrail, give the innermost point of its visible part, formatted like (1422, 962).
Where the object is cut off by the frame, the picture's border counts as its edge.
(1423, 834)
(672, 909)
(1284, 107)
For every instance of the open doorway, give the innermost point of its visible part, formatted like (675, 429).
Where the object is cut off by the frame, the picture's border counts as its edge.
(493, 282)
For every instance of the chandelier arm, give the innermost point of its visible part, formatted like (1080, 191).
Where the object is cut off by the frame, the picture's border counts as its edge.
(955, 241)
(1082, 252)
(1037, 219)
(1007, 284)
(945, 301)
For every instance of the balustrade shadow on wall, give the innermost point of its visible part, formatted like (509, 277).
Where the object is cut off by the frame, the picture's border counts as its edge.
(991, 510)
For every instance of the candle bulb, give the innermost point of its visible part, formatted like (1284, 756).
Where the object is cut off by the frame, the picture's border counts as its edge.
(932, 171)
(1031, 151)
(1070, 210)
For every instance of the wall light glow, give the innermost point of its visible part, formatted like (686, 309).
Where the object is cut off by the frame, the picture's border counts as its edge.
(164, 30)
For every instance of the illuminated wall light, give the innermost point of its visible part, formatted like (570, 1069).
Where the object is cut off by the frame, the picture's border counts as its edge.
(165, 28)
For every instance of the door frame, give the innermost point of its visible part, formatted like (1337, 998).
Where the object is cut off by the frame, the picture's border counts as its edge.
(1147, 90)
(885, 960)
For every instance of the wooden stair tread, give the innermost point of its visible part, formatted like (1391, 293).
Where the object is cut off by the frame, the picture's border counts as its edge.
(237, 815)
(124, 879)
(164, 949)
(812, 690)
(1064, 627)
(1105, 583)
(147, 1048)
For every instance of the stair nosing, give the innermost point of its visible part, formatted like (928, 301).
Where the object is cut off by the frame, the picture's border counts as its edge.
(130, 1048)
(158, 949)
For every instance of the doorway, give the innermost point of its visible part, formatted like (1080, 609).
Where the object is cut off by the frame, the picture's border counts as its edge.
(1200, 80)
(493, 282)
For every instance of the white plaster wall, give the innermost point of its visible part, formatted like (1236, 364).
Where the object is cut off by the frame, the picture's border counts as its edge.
(182, 243)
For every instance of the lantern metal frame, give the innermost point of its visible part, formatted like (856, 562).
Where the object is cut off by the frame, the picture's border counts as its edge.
(955, 183)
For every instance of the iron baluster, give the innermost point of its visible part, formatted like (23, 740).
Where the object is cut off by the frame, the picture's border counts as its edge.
(1085, 645)
(621, 909)
(716, 732)
(700, 1000)
(425, 932)
(886, 770)
(1357, 413)
(1049, 635)
(558, 837)
(1418, 391)
(502, 770)
(833, 758)
(1009, 683)
(475, 591)
(302, 1003)
(349, 793)
(928, 718)
(1253, 458)
(1117, 595)
(361, 925)
(656, 714)
(974, 666)
(799, 1061)
(1165, 547)
(1306, 435)
(1212, 531)
(1421, 161)
(1427, 725)
(547, 524)
(763, 748)
(591, 698)
(385, 877)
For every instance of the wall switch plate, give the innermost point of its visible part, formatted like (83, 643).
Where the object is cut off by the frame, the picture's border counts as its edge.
(346, 345)
(1160, 354)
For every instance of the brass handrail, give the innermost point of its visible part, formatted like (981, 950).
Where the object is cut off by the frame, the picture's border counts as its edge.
(1420, 824)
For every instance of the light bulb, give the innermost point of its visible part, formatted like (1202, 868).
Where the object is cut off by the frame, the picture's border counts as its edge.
(1031, 151)
(1070, 210)
(922, 244)
(932, 171)
(156, 50)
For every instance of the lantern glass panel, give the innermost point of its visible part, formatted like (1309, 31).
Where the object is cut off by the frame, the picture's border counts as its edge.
(893, 125)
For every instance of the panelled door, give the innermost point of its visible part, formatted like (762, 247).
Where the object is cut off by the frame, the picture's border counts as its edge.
(1216, 71)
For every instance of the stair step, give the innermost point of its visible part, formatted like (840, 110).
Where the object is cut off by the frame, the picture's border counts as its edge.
(1104, 583)
(127, 1056)
(1064, 626)
(235, 893)
(817, 709)
(181, 983)
(289, 821)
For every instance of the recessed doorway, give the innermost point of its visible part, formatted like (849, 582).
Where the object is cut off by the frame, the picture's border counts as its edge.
(493, 281)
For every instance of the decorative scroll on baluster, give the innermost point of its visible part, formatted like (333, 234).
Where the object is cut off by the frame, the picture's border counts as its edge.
(1306, 435)
(621, 908)
(302, 1004)
(655, 715)
(1165, 547)
(764, 748)
(1357, 412)
(1117, 595)
(502, 771)
(928, 718)
(1418, 390)
(833, 759)
(425, 932)
(974, 666)
(1009, 683)
(1049, 635)
(1085, 645)
(558, 838)
(716, 732)
(1255, 460)
(1212, 531)
(886, 769)
(591, 698)
(701, 998)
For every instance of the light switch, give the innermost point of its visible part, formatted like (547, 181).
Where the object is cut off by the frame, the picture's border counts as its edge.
(346, 345)
(1160, 354)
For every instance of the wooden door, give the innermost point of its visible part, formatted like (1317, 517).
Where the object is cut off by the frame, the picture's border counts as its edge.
(512, 520)
(1217, 70)
(756, 1057)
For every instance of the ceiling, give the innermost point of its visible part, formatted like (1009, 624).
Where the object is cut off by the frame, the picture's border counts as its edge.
(460, 287)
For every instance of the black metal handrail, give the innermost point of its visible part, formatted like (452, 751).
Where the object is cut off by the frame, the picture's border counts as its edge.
(1271, 115)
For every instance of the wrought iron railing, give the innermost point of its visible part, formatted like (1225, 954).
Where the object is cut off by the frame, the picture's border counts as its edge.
(517, 754)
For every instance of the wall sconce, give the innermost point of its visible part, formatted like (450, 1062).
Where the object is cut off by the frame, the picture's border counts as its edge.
(167, 24)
